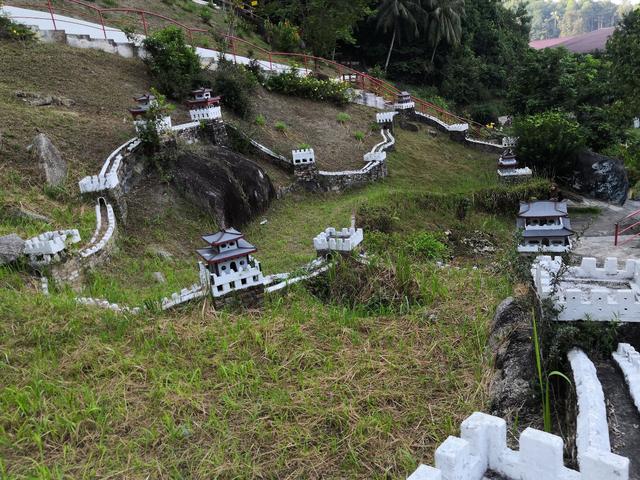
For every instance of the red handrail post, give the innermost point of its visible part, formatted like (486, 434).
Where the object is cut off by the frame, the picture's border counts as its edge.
(270, 63)
(104, 30)
(190, 35)
(233, 49)
(615, 241)
(144, 22)
(53, 18)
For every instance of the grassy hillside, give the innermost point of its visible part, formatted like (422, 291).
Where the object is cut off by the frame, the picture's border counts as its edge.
(305, 388)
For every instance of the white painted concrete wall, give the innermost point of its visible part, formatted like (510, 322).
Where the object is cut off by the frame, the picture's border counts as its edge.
(629, 361)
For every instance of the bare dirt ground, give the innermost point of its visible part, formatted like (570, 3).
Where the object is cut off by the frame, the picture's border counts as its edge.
(314, 124)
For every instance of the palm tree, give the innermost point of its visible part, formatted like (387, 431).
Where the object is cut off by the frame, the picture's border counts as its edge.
(402, 17)
(444, 22)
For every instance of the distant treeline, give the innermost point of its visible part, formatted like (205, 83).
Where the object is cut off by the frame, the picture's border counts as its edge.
(565, 18)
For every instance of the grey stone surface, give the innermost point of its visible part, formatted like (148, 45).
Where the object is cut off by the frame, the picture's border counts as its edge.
(11, 248)
(21, 212)
(50, 160)
(600, 177)
(159, 277)
(160, 252)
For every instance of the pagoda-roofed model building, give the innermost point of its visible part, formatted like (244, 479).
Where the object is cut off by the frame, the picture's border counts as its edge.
(204, 106)
(145, 102)
(545, 227)
(404, 101)
(232, 268)
(509, 169)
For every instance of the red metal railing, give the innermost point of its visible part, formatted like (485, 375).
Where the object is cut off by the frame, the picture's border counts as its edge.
(310, 62)
(620, 229)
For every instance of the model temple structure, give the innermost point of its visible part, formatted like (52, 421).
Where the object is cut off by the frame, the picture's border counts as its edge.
(545, 227)
(204, 106)
(230, 264)
(139, 113)
(509, 169)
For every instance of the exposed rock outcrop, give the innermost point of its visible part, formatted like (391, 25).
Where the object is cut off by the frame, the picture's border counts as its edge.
(600, 177)
(11, 248)
(230, 187)
(50, 160)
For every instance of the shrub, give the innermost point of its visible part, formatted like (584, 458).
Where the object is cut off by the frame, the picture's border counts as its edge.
(283, 36)
(426, 245)
(235, 84)
(290, 83)
(173, 64)
(343, 117)
(281, 127)
(549, 142)
(359, 136)
(205, 14)
(260, 120)
(304, 146)
(149, 134)
(485, 113)
(14, 31)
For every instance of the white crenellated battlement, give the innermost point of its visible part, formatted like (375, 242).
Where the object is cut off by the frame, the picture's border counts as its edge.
(385, 117)
(587, 291)
(44, 248)
(303, 157)
(162, 125)
(345, 240)
(375, 156)
(207, 113)
(248, 276)
(482, 446)
(96, 302)
(629, 361)
(515, 172)
(108, 176)
(509, 141)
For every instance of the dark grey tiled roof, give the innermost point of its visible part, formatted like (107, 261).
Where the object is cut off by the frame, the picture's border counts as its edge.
(543, 208)
(223, 236)
(211, 255)
(546, 233)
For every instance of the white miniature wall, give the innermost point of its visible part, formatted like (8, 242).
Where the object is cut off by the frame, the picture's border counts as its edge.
(163, 124)
(404, 106)
(592, 432)
(629, 361)
(515, 172)
(385, 117)
(96, 302)
(483, 446)
(208, 113)
(108, 176)
(600, 303)
(509, 141)
(51, 243)
(348, 240)
(228, 281)
(94, 247)
(303, 157)
(375, 157)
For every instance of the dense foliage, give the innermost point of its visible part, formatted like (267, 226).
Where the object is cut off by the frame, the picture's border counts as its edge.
(14, 31)
(549, 142)
(174, 65)
(235, 84)
(623, 49)
(291, 83)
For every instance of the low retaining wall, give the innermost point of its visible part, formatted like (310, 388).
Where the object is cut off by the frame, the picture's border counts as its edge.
(483, 446)
(628, 359)
(592, 432)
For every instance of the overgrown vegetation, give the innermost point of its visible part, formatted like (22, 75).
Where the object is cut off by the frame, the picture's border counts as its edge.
(10, 30)
(235, 84)
(174, 65)
(292, 83)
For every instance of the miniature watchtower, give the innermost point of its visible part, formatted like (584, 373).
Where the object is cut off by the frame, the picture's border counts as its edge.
(139, 113)
(203, 106)
(404, 102)
(545, 227)
(509, 169)
(304, 164)
(235, 275)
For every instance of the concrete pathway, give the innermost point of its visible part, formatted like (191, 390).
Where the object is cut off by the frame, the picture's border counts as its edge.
(74, 26)
(597, 230)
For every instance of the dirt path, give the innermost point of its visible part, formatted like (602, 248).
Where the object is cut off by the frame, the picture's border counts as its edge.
(623, 416)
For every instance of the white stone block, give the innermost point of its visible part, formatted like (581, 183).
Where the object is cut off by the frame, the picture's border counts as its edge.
(611, 266)
(541, 455)
(303, 157)
(424, 472)
(601, 465)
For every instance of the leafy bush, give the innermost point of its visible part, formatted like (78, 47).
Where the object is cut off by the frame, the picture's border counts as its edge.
(261, 121)
(283, 36)
(173, 64)
(549, 142)
(359, 136)
(149, 133)
(485, 113)
(14, 31)
(426, 245)
(205, 14)
(290, 83)
(235, 84)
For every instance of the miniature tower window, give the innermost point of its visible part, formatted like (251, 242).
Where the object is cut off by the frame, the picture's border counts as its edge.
(229, 261)
(545, 227)
(139, 113)
(203, 106)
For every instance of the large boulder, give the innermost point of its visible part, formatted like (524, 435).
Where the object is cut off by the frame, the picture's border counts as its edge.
(600, 177)
(11, 248)
(232, 188)
(50, 160)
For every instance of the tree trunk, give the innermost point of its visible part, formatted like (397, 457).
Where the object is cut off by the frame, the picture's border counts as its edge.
(393, 40)
(433, 55)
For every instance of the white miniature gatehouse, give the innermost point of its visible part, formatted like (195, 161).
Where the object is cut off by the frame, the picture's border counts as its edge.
(203, 106)
(229, 261)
